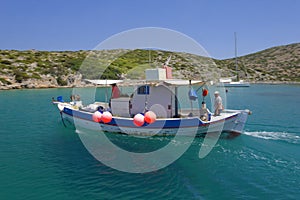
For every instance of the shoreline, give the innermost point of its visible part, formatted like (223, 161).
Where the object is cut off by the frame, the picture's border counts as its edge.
(275, 83)
(5, 88)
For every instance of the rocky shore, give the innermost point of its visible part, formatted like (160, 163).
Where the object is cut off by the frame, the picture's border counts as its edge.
(46, 81)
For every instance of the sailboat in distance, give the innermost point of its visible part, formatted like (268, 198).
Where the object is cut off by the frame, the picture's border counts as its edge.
(228, 82)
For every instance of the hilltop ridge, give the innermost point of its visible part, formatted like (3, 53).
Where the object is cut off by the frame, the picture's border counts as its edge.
(46, 69)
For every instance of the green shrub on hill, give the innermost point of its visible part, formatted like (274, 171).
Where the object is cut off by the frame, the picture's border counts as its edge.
(5, 81)
(20, 76)
(61, 82)
(5, 62)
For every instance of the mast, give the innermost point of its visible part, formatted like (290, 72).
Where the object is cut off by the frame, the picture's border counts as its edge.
(236, 60)
(176, 102)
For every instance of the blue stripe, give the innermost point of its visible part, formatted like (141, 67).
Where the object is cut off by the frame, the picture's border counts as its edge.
(166, 124)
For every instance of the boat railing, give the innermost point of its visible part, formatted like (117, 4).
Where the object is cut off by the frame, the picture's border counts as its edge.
(189, 112)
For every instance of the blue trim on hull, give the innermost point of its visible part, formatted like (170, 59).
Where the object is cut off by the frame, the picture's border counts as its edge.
(123, 122)
(170, 123)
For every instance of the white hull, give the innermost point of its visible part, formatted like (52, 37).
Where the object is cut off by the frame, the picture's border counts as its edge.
(234, 84)
(230, 83)
(229, 121)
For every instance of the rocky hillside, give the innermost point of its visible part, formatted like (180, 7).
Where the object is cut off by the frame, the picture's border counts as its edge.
(277, 64)
(39, 69)
(44, 69)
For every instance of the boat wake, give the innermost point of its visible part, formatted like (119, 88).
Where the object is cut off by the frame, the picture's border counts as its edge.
(281, 136)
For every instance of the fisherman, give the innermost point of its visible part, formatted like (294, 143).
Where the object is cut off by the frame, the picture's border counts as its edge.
(204, 112)
(72, 98)
(218, 105)
(115, 92)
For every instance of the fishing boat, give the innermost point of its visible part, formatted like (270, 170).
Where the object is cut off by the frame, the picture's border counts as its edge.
(155, 107)
(229, 82)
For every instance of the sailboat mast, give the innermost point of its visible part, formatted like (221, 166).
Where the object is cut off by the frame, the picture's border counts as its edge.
(236, 61)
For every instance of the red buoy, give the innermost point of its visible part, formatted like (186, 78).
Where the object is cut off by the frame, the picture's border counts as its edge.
(97, 116)
(204, 92)
(150, 117)
(106, 117)
(139, 119)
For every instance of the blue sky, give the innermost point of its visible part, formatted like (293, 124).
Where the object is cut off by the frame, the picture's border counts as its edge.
(75, 25)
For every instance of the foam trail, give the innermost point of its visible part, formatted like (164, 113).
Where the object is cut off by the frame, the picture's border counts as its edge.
(282, 136)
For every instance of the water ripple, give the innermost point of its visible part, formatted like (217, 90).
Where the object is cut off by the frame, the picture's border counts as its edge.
(281, 136)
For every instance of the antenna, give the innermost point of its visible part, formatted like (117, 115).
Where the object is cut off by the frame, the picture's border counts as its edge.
(236, 61)
(168, 60)
(149, 58)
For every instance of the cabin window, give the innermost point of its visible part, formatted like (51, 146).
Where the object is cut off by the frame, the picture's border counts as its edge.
(143, 89)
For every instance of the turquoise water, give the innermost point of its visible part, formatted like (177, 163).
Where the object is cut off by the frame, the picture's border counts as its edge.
(41, 159)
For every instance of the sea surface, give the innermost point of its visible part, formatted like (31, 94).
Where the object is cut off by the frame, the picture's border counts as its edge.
(41, 159)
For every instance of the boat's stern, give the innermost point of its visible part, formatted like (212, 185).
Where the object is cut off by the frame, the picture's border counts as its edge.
(237, 124)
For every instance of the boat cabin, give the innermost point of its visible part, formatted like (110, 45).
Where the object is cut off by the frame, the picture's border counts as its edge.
(157, 93)
(157, 98)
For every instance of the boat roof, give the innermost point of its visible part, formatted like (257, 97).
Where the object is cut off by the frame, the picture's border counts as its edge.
(183, 82)
(175, 82)
(104, 82)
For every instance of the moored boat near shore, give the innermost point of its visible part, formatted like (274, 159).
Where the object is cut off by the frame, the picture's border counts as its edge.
(227, 82)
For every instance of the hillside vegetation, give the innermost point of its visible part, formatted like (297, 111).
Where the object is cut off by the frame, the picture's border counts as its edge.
(38, 69)
(278, 64)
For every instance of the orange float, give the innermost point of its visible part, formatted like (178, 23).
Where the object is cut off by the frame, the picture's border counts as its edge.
(139, 120)
(97, 116)
(106, 117)
(150, 117)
